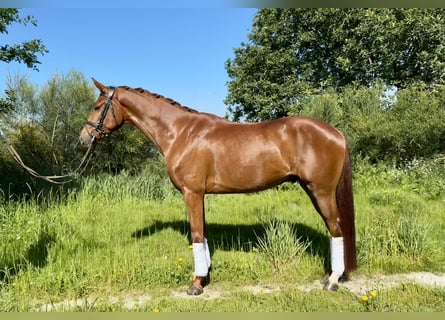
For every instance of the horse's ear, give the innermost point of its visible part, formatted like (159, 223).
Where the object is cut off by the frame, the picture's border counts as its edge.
(100, 86)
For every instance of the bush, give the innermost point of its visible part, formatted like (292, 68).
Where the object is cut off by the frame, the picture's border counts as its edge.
(381, 123)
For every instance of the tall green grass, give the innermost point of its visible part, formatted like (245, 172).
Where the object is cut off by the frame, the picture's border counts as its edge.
(122, 235)
(281, 244)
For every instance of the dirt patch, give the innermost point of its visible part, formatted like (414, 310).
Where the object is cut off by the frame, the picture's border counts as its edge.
(358, 285)
(128, 301)
(210, 293)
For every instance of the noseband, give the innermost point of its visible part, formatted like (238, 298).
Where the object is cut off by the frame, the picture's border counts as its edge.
(98, 126)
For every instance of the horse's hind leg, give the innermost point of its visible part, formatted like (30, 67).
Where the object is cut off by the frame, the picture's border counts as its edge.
(325, 203)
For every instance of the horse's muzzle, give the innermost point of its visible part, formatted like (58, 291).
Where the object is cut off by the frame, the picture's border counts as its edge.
(87, 139)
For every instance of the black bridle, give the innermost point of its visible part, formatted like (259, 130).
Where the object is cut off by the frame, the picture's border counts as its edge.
(98, 126)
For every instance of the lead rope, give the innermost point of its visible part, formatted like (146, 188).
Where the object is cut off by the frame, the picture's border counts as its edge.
(55, 178)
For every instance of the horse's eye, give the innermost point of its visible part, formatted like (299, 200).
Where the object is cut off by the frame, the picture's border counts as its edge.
(96, 106)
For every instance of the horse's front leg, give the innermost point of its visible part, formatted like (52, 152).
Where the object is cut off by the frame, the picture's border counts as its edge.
(195, 207)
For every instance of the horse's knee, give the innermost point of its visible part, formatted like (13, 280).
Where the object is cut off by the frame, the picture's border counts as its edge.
(197, 237)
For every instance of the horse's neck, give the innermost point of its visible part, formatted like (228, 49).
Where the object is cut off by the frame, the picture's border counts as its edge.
(155, 118)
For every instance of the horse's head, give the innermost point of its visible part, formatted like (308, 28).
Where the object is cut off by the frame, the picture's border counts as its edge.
(106, 117)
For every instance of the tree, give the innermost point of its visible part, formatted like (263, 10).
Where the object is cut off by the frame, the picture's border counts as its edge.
(394, 129)
(25, 52)
(47, 123)
(60, 110)
(297, 52)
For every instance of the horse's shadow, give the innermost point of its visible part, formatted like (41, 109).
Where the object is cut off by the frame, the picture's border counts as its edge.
(243, 238)
(36, 256)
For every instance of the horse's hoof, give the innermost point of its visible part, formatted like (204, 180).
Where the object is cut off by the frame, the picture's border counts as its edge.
(330, 286)
(194, 291)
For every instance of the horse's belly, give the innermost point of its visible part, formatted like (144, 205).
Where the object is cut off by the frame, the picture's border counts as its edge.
(243, 176)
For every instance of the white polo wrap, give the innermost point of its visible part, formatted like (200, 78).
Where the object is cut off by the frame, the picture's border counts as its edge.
(201, 256)
(337, 255)
(206, 246)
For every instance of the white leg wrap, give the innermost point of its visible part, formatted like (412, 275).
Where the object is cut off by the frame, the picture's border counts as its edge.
(206, 246)
(337, 256)
(200, 258)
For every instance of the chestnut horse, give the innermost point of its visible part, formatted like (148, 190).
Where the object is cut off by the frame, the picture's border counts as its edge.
(208, 154)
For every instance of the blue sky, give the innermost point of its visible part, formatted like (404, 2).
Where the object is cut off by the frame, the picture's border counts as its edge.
(179, 53)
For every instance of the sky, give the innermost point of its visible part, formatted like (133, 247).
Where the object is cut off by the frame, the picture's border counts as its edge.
(177, 52)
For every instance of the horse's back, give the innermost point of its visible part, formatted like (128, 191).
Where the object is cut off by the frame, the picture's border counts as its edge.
(284, 133)
(236, 157)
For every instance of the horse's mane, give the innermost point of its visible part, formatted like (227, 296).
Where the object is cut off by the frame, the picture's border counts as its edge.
(143, 91)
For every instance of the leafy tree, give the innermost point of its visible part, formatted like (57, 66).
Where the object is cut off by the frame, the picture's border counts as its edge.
(61, 108)
(51, 120)
(44, 129)
(297, 52)
(394, 129)
(25, 52)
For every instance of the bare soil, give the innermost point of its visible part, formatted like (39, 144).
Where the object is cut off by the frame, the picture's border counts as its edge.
(358, 285)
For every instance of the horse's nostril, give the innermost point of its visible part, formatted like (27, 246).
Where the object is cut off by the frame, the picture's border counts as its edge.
(86, 141)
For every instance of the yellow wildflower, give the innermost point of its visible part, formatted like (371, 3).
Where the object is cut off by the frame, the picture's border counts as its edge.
(365, 298)
(373, 293)
(156, 310)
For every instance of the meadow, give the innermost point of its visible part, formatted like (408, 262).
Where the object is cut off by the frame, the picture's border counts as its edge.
(121, 243)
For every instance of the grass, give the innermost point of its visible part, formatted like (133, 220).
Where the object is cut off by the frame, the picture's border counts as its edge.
(124, 236)
(281, 245)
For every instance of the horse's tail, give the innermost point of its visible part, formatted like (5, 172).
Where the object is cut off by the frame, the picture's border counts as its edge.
(345, 203)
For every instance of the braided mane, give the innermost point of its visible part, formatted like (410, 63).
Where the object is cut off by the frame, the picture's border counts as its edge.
(158, 96)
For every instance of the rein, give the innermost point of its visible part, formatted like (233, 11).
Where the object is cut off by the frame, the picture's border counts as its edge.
(53, 179)
(98, 126)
